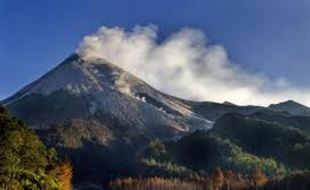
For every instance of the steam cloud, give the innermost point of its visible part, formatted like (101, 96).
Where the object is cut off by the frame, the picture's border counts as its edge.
(185, 65)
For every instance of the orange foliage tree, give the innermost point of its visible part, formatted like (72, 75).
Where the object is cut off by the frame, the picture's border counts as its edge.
(65, 173)
(217, 179)
(259, 178)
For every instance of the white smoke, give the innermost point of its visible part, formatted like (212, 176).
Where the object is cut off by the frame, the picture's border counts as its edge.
(185, 65)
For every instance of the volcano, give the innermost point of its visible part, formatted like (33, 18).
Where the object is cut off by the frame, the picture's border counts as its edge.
(99, 115)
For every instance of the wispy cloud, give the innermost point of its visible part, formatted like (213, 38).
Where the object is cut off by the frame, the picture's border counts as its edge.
(187, 66)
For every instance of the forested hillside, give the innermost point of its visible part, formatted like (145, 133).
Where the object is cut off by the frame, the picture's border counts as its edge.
(25, 162)
(287, 144)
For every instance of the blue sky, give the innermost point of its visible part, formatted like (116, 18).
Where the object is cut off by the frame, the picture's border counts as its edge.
(272, 36)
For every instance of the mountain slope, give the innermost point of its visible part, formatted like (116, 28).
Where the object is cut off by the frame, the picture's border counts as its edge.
(297, 121)
(78, 89)
(285, 143)
(100, 116)
(291, 107)
(213, 111)
(202, 152)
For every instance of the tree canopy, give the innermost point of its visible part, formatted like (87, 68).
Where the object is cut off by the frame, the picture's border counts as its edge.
(25, 162)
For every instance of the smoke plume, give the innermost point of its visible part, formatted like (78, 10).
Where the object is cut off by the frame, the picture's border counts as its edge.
(187, 66)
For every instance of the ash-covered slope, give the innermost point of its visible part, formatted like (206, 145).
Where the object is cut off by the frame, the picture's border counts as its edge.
(100, 116)
(79, 89)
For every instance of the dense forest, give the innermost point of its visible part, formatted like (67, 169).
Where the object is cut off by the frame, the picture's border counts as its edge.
(231, 156)
(25, 162)
(218, 180)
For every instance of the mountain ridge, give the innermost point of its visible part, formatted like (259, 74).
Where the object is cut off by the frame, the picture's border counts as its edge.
(291, 107)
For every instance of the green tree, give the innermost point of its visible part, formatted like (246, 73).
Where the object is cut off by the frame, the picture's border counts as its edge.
(25, 163)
